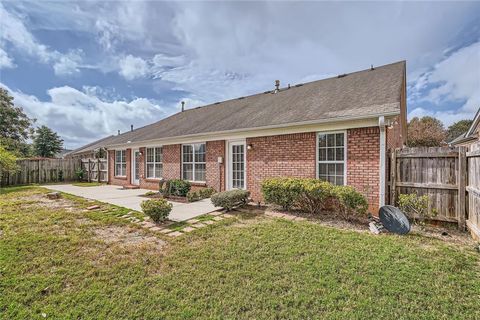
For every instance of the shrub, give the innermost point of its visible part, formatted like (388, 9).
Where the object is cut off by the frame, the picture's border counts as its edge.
(230, 199)
(281, 191)
(150, 193)
(157, 209)
(178, 187)
(206, 192)
(80, 174)
(193, 196)
(416, 207)
(351, 202)
(313, 195)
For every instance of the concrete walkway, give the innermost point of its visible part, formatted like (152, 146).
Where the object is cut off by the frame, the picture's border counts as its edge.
(131, 199)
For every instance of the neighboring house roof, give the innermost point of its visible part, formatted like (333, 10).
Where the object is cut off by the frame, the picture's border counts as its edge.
(91, 146)
(362, 94)
(470, 135)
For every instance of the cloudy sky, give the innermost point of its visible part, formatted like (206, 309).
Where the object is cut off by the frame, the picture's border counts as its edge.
(87, 69)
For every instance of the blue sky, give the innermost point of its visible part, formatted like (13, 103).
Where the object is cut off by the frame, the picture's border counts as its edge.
(88, 69)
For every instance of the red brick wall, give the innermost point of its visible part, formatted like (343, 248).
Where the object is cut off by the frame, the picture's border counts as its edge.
(394, 138)
(290, 155)
(120, 181)
(172, 161)
(363, 163)
(145, 183)
(215, 171)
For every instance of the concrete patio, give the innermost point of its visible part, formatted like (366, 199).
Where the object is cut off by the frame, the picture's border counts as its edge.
(131, 199)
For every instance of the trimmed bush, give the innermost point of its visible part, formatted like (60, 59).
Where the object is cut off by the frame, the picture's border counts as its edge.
(230, 199)
(351, 202)
(206, 192)
(157, 209)
(281, 191)
(313, 195)
(193, 196)
(178, 187)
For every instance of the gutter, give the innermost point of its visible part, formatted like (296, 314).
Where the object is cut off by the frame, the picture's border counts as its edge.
(246, 130)
(383, 155)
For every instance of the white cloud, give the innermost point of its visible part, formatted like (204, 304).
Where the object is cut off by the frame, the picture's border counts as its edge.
(14, 31)
(456, 79)
(133, 67)
(5, 60)
(68, 64)
(81, 117)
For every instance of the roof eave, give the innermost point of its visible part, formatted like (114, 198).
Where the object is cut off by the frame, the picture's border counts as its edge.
(292, 124)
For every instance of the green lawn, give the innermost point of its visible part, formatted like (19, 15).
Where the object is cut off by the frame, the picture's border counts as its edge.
(88, 184)
(65, 262)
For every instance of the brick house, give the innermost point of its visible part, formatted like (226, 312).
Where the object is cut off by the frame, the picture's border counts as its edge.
(338, 129)
(471, 136)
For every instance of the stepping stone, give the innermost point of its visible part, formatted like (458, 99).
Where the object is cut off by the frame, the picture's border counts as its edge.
(289, 217)
(209, 222)
(148, 224)
(300, 219)
(192, 221)
(228, 215)
(175, 234)
(93, 207)
(217, 218)
(155, 229)
(53, 195)
(125, 216)
(215, 213)
(166, 230)
(199, 225)
(188, 229)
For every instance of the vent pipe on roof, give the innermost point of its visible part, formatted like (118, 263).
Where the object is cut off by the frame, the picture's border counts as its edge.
(183, 106)
(371, 67)
(131, 127)
(118, 132)
(277, 86)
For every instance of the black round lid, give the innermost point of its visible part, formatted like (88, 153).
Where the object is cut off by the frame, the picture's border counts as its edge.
(394, 220)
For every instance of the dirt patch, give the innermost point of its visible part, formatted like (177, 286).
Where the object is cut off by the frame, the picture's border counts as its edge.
(42, 200)
(446, 234)
(127, 237)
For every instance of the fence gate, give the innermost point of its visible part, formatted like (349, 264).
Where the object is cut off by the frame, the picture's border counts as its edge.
(439, 173)
(473, 188)
(95, 170)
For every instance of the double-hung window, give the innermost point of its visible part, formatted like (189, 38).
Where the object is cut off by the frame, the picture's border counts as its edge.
(331, 157)
(193, 162)
(120, 163)
(154, 163)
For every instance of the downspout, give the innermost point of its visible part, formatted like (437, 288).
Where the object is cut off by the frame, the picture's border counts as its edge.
(383, 153)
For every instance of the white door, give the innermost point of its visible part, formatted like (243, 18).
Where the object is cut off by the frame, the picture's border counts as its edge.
(136, 167)
(236, 165)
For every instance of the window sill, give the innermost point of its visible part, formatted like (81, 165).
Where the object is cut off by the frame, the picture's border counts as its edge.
(198, 183)
(121, 177)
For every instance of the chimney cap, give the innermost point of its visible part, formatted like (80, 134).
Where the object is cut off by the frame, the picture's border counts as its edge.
(277, 85)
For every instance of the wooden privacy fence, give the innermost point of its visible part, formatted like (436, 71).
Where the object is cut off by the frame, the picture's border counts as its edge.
(439, 173)
(41, 171)
(95, 169)
(473, 188)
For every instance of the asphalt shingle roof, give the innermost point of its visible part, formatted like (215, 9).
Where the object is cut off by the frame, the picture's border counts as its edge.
(358, 94)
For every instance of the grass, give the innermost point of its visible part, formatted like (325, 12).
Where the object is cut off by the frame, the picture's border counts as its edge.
(177, 226)
(52, 262)
(88, 184)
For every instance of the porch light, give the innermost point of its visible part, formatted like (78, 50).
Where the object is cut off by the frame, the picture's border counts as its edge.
(249, 147)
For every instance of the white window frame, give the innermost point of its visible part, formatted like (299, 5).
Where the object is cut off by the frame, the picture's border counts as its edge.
(193, 163)
(155, 162)
(122, 163)
(345, 150)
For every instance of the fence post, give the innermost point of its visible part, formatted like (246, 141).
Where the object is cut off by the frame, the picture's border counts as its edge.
(462, 170)
(88, 170)
(393, 177)
(98, 170)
